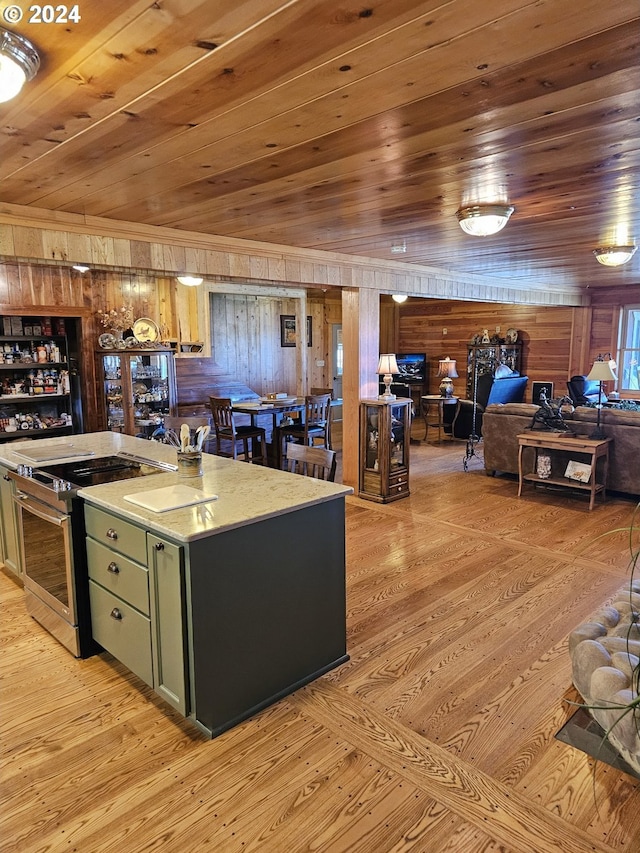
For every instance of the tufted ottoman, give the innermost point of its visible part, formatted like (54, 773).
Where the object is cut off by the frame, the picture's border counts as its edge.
(605, 658)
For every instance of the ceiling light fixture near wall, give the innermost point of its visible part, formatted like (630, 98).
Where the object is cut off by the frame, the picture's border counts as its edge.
(19, 62)
(399, 297)
(190, 280)
(614, 256)
(80, 268)
(399, 248)
(482, 220)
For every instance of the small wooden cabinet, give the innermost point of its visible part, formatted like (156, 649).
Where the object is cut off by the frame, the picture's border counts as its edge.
(138, 389)
(136, 587)
(384, 449)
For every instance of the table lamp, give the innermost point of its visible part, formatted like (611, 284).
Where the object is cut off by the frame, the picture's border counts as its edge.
(387, 366)
(602, 371)
(447, 369)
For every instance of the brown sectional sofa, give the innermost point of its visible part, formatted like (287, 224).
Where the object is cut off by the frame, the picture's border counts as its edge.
(502, 424)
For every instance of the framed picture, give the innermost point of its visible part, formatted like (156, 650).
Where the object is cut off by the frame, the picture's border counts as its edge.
(288, 330)
(538, 387)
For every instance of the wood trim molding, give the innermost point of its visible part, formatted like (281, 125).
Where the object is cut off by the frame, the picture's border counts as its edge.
(36, 235)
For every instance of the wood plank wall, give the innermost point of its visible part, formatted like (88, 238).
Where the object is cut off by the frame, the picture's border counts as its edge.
(245, 341)
(546, 334)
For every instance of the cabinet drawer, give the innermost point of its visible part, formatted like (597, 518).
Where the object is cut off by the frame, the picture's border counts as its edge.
(116, 534)
(399, 479)
(119, 574)
(122, 631)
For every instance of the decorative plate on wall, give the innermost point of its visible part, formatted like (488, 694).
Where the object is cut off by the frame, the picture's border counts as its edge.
(145, 330)
(512, 336)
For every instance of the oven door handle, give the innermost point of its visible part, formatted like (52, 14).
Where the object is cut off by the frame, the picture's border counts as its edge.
(40, 509)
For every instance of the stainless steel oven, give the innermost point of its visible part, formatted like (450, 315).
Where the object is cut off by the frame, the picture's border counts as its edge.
(52, 540)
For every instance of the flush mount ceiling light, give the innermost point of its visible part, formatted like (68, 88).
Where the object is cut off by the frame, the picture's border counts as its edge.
(399, 297)
(80, 267)
(190, 280)
(19, 62)
(482, 220)
(614, 256)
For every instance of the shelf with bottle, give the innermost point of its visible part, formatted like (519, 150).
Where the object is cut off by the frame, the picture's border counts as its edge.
(20, 353)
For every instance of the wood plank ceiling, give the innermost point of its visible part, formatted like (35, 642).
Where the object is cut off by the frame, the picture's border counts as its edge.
(349, 127)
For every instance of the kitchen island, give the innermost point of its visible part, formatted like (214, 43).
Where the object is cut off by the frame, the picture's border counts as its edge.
(222, 607)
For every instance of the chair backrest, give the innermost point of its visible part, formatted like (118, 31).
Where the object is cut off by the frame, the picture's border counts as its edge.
(582, 390)
(222, 414)
(311, 461)
(317, 409)
(170, 431)
(318, 392)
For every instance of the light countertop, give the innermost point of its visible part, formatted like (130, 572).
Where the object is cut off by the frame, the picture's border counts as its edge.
(246, 493)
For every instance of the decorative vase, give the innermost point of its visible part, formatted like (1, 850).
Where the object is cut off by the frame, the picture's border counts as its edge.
(543, 466)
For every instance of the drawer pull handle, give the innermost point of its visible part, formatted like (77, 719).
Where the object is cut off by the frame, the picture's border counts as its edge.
(113, 568)
(116, 613)
(112, 534)
(159, 546)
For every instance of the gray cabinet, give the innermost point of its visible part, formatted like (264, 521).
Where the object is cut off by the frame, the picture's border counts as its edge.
(136, 588)
(9, 540)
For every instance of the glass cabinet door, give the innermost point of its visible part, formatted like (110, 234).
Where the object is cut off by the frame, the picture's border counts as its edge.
(396, 437)
(149, 389)
(372, 461)
(112, 367)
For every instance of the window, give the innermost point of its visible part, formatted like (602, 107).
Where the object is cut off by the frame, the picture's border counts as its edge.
(629, 351)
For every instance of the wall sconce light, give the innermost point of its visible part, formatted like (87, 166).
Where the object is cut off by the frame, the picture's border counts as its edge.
(614, 256)
(399, 297)
(602, 371)
(482, 220)
(19, 62)
(190, 280)
(447, 369)
(387, 366)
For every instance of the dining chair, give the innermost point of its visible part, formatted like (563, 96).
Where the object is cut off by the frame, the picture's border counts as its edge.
(226, 430)
(315, 462)
(316, 425)
(172, 424)
(318, 392)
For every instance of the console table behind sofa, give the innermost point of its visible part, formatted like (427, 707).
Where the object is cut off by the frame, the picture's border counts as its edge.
(503, 423)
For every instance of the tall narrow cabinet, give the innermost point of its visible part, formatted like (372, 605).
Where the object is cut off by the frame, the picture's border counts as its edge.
(384, 449)
(486, 358)
(138, 389)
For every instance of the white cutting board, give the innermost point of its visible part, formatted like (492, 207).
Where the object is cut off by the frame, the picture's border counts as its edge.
(170, 497)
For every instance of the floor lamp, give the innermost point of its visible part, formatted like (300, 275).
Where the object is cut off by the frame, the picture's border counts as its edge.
(474, 438)
(601, 372)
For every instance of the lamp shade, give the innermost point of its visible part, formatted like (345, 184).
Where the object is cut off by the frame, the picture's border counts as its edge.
(447, 367)
(601, 372)
(482, 220)
(387, 364)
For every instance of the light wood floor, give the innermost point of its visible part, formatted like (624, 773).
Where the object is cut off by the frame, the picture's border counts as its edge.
(437, 735)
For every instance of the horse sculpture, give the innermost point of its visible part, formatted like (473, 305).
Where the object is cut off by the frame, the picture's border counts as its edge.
(549, 415)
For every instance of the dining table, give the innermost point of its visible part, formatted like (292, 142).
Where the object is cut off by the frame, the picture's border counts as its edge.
(277, 408)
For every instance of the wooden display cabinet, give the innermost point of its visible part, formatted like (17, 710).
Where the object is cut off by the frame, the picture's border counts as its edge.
(138, 389)
(384, 449)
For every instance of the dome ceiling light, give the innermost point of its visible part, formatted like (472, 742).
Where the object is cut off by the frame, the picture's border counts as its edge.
(482, 220)
(19, 62)
(399, 297)
(190, 280)
(80, 268)
(614, 256)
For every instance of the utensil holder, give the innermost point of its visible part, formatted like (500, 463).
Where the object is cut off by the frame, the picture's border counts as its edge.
(189, 463)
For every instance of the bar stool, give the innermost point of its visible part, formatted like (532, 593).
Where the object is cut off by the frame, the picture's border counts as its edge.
(226, 430)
